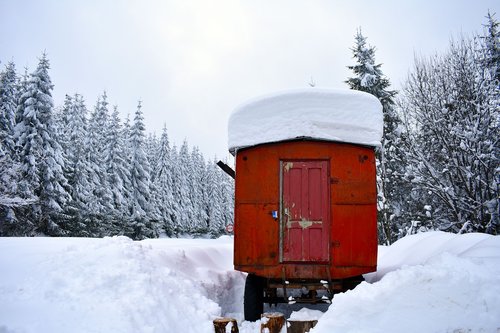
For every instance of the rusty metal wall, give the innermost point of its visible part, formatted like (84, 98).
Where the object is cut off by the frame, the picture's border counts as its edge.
(260, 224)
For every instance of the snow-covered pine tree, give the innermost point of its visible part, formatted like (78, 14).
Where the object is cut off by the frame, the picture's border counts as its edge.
(40, 154)
(118, 173)
(368, 77)
(8, 105)
(490, 47)
(162, 177)
(184, 189)
(80, 171)
(61, 120)
(140, 226)
(97, 143)
(9, 168)
(197, 180)
(453, 114)
(178, 222)
(151, 148)
(127, 157)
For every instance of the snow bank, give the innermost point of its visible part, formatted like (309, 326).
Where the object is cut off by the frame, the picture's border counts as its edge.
(430, 282)
(324, 114)
(115, 285)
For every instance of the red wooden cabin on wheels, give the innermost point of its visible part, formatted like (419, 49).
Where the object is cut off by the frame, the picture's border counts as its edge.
(305, 195)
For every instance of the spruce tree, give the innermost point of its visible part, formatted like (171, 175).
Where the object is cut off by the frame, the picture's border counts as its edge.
(9, 169)
(79, 167)
(118, 173)
(40, 153)
(151, 149)
(162, 177)
(100, 203)
(390, 157)
(140, 225)
(197, 180)
(490, 47)
(8, 105)
(179, 226)
(184, 195)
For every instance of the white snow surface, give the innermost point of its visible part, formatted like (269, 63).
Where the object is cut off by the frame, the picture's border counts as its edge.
(322, 114)
(430, 282)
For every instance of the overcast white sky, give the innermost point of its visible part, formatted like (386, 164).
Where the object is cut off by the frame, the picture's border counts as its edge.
(192, 62)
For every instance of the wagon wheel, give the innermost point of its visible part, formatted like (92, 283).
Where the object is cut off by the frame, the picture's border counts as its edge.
(254, 297)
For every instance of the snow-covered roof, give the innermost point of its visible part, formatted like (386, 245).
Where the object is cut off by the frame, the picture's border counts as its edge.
(321, 114)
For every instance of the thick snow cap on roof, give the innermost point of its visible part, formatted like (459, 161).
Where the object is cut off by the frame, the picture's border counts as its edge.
(322, 114)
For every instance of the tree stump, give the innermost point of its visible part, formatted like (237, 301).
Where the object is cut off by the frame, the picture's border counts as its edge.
(272, 322)
(221, 323)
(296, 326)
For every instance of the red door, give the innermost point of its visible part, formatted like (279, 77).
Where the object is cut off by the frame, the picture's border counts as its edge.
(304, 211)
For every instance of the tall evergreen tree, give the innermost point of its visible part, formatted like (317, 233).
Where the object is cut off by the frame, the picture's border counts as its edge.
(151, 149)
(79, 168)
(162, 177)
(197, 180)
(490, 47)
(179, 226)
(9, 168)
(40, 153)
(97, 144)
(118, 173)
(141, 227)
(184, 189)
(390, 157)
(8, 105)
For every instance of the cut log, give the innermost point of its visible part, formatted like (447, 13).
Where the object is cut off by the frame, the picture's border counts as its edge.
(295, 326)
(272, 322)
(220, 325)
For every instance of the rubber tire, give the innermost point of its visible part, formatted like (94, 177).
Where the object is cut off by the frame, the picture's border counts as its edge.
(352, 282)
(253, 302)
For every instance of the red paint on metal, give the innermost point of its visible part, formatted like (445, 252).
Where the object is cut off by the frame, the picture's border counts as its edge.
(349, 228)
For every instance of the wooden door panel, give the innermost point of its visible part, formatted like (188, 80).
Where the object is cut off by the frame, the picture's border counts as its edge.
(305, 211)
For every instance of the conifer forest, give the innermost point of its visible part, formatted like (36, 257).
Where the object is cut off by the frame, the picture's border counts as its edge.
(71, 171)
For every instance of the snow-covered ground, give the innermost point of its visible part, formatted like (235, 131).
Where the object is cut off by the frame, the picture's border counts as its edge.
(430, 282)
